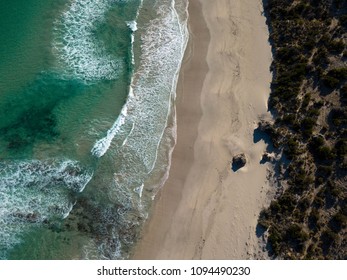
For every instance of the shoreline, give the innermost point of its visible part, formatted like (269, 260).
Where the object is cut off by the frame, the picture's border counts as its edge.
(205, 210)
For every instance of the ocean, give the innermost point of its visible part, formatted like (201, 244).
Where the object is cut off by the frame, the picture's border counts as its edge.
(87, 122)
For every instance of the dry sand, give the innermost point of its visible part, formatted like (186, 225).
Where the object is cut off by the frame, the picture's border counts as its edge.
(205, 210)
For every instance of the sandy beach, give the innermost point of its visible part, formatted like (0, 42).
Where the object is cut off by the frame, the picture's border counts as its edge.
(205, 210)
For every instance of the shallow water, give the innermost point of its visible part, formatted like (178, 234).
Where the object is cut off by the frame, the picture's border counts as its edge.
(86, 123)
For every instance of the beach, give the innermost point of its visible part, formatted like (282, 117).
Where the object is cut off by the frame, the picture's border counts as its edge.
(205, 210)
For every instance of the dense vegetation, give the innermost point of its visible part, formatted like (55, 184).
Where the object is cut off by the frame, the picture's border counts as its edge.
(307, 218)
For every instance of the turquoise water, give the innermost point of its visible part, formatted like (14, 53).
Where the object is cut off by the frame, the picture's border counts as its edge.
(86, 122)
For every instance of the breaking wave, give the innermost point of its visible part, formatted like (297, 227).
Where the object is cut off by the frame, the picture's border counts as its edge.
(75, 43)
(33, 191)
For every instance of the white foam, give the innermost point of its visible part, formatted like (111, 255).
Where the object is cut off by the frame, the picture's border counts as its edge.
(153, 85)
(75, 45)
(126, 139)
(149, 104)
(102, 145)
(33, 191)
(139, 190)
(155, 81)
(132, 25)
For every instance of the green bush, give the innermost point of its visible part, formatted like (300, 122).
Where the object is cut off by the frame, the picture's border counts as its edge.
(338, 117)
(313, 112)
(321, 56)
(292, 148)
(328, 238)
(338, 73)
(307, 126)
(306, 100)
(325, 153)
(338, 222)
(275, 239)
(330, 82)
(336, 46)
(296, 237)
(343, 20)
(296, 233)
(324, 171)
(341, 147)
(288, 119)
(313, 219)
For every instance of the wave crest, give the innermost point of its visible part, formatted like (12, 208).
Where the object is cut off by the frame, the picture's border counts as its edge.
(33, 191)
(75, 43)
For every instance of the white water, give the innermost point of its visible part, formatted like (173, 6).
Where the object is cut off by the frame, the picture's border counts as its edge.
(134, 139)
(75, 43)
(33, 191)
(148, 104)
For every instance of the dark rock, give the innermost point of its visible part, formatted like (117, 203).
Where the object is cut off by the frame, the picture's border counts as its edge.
(267, 157)
(266, 127)
(238, 162)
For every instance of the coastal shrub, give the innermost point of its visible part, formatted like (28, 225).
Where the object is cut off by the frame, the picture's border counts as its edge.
(330, 82)
(343, 20)
(307, 126)
(338, 73)
(263, 220)
(325, 39)
(295, 238)
(332, 189)
(343, 94)
(275, 207)
(306, 100)
(288, 54)
(287, 202)
(321, 56)
(292, 148)
(313, 112)
(313, 219)
(338, 222)
(319, 104)
(338, 3)
(299, 70)
(324, 171)
(300, 183)
(338, 117)
(296, 233)
(301, 7)
(286, 83)
(309, 59)
(304, 204)
(288, 119)
(316, 142)
(314, 252)
(318, 202)
(309, 44)
(344, 207)
(333, 78)
(275, 239)
(336, 46)
(325, 153)
(341, 148)
(328, 238)
(293, 14)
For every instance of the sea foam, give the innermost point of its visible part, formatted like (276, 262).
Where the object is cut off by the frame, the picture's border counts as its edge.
(75, 43)
(34, 191)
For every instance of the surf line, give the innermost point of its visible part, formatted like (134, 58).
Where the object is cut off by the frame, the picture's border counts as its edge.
(101, 146)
